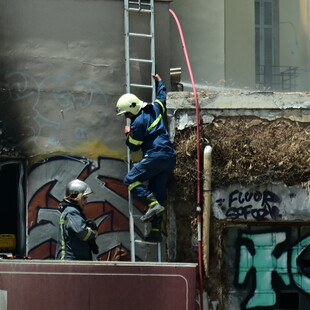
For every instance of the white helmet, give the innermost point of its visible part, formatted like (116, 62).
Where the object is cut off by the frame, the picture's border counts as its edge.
(129, 103)
(75, 190)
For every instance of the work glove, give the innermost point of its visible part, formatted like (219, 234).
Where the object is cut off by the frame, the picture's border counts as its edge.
(93, 246)
(92, 243)
(91, 224)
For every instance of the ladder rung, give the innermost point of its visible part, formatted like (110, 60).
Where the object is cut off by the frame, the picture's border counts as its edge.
(141, 85)
(135, 34)
(141, 60)
(146, 242)
(140, 3)
(140, 10)
(137, 6)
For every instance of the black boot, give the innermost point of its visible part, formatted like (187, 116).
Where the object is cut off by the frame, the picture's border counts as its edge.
(154, 208)
(154, 236)
(155, 233)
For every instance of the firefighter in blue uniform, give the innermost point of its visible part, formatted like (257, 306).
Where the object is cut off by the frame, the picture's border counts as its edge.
(147, 131)
(76, 236)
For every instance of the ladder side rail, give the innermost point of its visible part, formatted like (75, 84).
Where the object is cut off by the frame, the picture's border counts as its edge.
(127, 72)
(127, 43)
(152, 30)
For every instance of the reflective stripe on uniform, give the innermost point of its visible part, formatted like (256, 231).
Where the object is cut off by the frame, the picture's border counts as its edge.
(133, 141)
(89, 232)
(155, 122)
(133, 185)
(152, 203)
(161, 104)
(62, 222)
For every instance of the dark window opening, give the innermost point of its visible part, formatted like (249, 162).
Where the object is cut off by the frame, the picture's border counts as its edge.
(303, 261)
(12, 215)
(288, 300)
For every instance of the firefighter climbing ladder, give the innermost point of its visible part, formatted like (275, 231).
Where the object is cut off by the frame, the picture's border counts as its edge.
(136, 9)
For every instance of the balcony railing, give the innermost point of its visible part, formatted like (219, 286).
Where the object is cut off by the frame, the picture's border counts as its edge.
(276, 78)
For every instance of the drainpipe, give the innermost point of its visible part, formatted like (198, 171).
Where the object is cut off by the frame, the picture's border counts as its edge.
(207, 168)
(198, 162)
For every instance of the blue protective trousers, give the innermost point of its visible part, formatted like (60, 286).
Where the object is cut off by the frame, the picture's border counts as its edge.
(154, 169)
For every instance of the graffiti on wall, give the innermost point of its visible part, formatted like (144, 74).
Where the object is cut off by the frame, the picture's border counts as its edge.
(244, 205)
(51, 106)
(267, 264)
(108, 206)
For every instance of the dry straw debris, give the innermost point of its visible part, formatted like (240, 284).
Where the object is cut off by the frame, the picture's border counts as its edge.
(246, 150)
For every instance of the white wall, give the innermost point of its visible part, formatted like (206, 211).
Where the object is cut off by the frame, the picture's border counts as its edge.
(203, 28)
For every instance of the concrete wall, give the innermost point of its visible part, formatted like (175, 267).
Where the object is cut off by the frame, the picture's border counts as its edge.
(60, 67)
(63, 70)
(273, 202)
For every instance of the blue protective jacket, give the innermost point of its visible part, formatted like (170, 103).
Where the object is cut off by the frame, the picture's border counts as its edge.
(148, 130)
(73, 235)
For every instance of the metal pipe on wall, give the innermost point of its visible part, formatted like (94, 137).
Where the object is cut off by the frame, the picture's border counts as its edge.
(207, 176)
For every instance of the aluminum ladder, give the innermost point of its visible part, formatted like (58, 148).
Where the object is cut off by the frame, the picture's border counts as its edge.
(138, 9)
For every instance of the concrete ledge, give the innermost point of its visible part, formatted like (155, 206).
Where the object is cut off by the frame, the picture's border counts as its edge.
(239, 100)
(267, 105)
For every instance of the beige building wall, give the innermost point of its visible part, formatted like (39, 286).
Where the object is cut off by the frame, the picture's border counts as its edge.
(294, 39)
(220, 40)
(304, 12)
(239, 44)
(202, 23)
(291, 43)
(294, 34)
